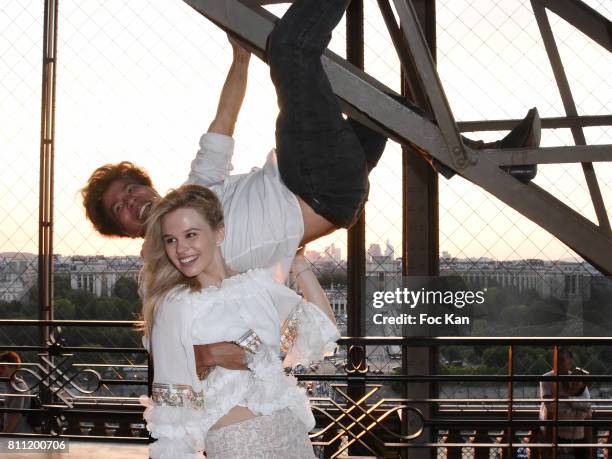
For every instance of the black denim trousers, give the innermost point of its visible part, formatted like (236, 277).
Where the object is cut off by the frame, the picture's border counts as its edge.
(322, 157)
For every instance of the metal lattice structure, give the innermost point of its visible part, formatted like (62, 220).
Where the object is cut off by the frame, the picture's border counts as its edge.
(372, 103)
(360, 396)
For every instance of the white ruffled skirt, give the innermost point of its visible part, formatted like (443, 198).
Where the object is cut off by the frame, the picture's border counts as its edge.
(280, 435)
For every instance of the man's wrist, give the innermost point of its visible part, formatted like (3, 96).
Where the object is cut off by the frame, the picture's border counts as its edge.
(240, 59)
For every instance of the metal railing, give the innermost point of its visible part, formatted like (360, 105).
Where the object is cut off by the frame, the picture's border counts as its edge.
(85, 400)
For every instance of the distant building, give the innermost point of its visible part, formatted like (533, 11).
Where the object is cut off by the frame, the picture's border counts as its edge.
(333, 253)
(98, 274)
(567, 281)
(374, 250)
(389, 250)
(18, 274)
(313, 256)
(337, 300)
(383, 274)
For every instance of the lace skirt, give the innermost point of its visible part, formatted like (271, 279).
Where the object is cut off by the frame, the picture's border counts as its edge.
(277, 436)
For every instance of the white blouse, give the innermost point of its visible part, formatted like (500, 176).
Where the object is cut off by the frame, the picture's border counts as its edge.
(183, 408)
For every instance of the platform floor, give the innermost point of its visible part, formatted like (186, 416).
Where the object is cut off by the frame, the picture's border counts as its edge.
(89, 450)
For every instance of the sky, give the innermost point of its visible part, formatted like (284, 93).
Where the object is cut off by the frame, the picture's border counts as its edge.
(139, 80)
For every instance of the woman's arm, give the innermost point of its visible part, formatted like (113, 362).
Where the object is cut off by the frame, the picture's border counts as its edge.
(309, 285)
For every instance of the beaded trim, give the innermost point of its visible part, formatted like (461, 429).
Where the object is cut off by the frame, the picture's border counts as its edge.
(289, 329)
(249, 342)
(177, 395)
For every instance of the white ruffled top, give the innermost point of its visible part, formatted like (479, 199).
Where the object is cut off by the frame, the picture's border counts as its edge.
(249, 301)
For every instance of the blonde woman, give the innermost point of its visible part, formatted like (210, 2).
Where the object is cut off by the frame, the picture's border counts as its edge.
(195, 298)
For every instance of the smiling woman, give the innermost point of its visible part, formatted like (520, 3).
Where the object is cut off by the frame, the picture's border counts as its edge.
(192, 246)
(187, 222)
(194, 298)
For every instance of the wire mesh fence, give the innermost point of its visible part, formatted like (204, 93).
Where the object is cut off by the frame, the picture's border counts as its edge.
(140, 81)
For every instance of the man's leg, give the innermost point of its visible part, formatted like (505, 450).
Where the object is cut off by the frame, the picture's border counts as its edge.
(372, 142)
(320, 157)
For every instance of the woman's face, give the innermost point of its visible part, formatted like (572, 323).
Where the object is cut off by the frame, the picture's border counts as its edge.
(191, 244)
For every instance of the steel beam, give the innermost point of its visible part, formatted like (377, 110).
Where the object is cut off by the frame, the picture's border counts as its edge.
(264, 2)
(559, 122)
(584, 18)
(361, 95)
(550, 213)
(547, 155)
(47, 147)
(356, 236)
(46, 172)
(365, 97)
(423, 63)
(420, 216)
(570, 110)
(412, 85)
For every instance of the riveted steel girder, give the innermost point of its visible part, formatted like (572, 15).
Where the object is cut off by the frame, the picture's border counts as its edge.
(369, 101)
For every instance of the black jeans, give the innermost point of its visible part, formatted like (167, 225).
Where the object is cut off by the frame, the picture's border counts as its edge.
(322, 157)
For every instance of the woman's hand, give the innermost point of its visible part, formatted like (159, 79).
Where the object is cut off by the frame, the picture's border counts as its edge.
(307, 282)
(300, 263)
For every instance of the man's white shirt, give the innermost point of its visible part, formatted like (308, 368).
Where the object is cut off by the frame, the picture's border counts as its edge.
(263, 219)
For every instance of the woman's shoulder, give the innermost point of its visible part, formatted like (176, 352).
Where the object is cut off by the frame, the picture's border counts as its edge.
(176, 296)
(248, 280)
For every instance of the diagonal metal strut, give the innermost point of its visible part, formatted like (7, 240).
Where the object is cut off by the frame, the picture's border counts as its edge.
(370, 102)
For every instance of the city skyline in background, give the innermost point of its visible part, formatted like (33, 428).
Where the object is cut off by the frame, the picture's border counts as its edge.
(137, 83)
(99, 273)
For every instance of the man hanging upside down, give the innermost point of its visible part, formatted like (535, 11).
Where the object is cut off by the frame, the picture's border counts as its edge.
(315, 181)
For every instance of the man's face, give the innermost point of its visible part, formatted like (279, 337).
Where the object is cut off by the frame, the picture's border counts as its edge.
(128, 203)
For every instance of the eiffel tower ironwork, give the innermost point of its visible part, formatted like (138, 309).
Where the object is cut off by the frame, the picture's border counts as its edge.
(374, 104)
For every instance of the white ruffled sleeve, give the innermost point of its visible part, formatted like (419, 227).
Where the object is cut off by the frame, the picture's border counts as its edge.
(307, 335)
(273, 390)
(177, 430)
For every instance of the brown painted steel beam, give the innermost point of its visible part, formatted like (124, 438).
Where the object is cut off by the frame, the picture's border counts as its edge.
(570, 109)
(46, 173)
(356, 235)
(361, 96)
(422, 61)
(47, 146)
(356, 240)
(264, 2)
(367, 98)
(559, 122)
(420, 215)
(548, 155)
(550, 213)
(584, 18)
(412, 86)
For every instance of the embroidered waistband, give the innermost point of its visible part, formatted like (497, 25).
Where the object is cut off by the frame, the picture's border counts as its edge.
(177, 395)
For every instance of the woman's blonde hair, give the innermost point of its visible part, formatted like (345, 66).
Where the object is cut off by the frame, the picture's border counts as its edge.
(160, 275)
